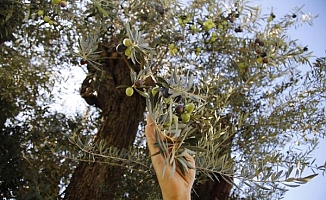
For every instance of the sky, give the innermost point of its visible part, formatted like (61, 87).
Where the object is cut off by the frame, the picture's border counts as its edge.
(314, 38)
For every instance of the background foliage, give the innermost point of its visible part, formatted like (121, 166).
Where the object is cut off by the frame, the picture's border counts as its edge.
(258, 120)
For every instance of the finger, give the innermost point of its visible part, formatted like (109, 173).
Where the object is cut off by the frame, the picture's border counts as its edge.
(157, 160)
(191, 160)
(150, 135)
(191, 173)
(149, 119)
(187, 169)
(150, 130)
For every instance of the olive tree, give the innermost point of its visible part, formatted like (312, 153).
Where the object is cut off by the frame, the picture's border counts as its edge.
(219, 79)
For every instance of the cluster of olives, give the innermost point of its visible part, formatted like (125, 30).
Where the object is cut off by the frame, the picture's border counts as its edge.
(125, 47)
(183, 20)
(173, 49)
(184, 111)
(209, 24)
(47, 18)
(127, 43)
(271, 17)
(181, 110)
(61, 2)
(261, 55)
(148, 81)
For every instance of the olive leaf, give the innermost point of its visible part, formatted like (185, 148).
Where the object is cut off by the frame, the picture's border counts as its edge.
(139, 48)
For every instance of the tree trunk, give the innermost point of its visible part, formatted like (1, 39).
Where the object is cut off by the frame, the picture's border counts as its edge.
(120, 119)
(213, 190)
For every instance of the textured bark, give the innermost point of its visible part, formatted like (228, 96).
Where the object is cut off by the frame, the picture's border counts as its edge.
(120, 119)
(213, 190)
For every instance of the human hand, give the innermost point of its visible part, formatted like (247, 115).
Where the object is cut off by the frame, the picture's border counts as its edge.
(179, 185)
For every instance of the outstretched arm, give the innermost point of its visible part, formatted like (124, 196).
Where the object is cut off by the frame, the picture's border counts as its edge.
(179, 185)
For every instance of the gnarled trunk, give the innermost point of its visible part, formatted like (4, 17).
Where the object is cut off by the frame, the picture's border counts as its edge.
(213, 190)
(120, 119)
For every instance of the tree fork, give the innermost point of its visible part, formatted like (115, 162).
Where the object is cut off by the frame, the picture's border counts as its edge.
(119, 124)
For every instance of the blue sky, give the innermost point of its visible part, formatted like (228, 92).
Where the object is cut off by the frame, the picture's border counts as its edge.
(315, 38)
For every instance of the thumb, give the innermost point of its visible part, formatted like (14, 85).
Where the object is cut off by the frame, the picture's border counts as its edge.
(150, 134)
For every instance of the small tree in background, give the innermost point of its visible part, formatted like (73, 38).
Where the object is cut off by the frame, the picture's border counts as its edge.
(220, 80)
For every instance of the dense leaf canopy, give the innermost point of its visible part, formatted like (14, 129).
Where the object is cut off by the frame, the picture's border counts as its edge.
(256, 119)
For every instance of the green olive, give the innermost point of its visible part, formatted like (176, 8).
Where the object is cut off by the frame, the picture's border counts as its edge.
(127, 42)
(40, 12)
(185, 117)
(129, 91)
(190, 107)
(46, 18)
